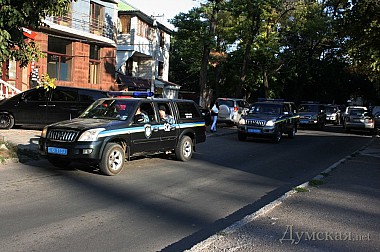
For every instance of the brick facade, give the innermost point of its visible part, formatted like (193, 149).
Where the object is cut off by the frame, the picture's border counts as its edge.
(80, 65)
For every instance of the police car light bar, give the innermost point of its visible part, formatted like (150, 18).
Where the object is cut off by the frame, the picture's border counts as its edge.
(134, 94)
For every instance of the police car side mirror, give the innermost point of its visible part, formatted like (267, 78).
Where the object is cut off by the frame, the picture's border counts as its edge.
(139, 119)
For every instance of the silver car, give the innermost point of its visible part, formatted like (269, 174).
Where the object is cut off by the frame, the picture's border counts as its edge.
(231, 110)
(359, 119)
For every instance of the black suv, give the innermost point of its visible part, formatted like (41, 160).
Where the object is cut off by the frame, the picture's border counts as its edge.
(112, 130)
(312, 114)
(40, 106)
(269, 118)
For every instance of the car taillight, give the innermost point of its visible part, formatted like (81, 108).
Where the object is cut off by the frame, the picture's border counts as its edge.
(236, 108)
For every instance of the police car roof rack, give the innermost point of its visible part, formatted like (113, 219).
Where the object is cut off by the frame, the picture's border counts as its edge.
(269, 100)
(134, 94)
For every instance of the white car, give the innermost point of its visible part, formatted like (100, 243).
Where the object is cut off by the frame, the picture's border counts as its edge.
(231, 110)
(347, 112)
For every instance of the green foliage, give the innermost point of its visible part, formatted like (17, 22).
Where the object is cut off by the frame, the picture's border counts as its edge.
(16, 14)
(46, 82)
(319, 50)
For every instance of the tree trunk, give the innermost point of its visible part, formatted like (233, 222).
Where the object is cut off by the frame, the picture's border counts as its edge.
(255, 26)
(204, 87)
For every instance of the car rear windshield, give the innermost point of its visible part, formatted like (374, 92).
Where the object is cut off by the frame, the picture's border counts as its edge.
(228, 103)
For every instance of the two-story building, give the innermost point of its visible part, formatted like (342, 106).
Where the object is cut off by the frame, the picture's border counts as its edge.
(79, 48)
(143, 46)
(100, 44)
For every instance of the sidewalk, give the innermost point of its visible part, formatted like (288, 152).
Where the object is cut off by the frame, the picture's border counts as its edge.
(341, 214)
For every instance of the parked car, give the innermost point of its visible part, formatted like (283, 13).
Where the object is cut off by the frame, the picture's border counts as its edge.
(39, 106)
(112, 130)
(376, 117)
(231, 110)
(333, 114)
(269, 119)
(347, 112)
(359, 119)
(312, 114)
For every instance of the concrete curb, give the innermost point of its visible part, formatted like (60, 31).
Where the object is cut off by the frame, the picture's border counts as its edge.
(266, 209)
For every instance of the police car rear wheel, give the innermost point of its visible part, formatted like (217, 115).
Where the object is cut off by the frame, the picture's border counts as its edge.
(113, 159)
(292, 132)
(184, 150)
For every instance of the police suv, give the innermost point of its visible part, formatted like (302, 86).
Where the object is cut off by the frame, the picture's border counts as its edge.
(269, 118)
(312, 114)
(112, 130)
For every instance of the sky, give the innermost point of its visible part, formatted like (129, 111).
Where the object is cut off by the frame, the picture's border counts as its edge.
(167, 8)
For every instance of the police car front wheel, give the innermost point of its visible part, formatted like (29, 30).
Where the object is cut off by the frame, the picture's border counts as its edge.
(112, 160)
(184, 150)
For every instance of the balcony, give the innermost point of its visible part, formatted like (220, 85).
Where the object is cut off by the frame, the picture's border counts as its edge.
(82, 22)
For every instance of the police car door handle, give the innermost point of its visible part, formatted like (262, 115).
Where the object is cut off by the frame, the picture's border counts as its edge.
(155, 129)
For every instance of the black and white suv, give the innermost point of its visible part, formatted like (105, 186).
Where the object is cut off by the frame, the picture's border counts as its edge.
(269, 118)
(112, 130)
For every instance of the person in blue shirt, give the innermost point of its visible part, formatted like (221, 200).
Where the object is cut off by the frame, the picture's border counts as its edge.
(165, 117)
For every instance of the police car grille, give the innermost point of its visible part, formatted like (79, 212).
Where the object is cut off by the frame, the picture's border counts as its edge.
(256, 122)
(62, 135)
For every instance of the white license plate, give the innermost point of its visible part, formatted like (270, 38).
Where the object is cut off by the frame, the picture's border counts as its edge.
(58, 151)
(254, 131)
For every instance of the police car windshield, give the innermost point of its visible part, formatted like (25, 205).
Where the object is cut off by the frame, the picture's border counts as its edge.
(308, 108)
(112, 109)
(270, 109)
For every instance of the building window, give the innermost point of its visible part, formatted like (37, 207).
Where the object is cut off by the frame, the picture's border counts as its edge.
(129, 67)
(94, 67)
(160, 69)
(125, 22)
(59, 59)
(162, 38)
(143, 29)
(96, 18)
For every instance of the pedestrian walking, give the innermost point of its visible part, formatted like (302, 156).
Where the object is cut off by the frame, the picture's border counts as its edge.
(34, 77)
(214, 115)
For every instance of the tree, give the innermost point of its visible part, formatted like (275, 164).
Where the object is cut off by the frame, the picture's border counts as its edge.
(16, 14)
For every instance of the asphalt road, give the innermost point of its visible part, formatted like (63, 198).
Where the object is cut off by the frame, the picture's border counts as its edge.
(158, 203)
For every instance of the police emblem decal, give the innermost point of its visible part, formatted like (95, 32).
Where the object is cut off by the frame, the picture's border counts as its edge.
(166, 126)
(148, 130)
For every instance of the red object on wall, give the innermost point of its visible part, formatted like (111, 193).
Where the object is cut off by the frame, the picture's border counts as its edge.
(29, 33)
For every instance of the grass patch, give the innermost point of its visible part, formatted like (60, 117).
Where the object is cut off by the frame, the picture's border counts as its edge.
(300, 189)
(315, 182)
(7, 151)
(325, 174)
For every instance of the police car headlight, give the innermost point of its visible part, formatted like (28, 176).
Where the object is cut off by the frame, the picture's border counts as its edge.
(242, 121)
(90, 135)
(44, 132)
(270, 123)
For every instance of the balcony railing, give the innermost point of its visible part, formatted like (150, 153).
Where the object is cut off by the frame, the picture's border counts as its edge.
(83, 22)
(7, 90)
